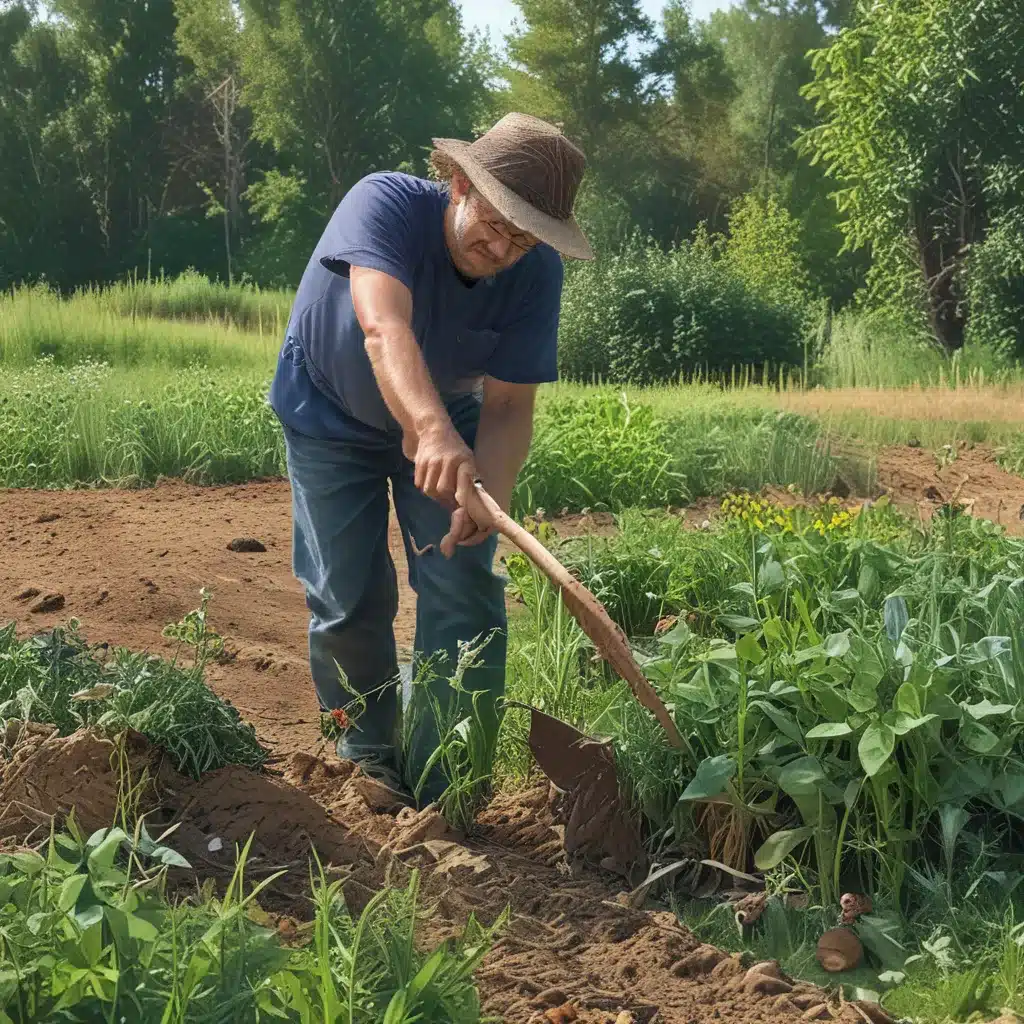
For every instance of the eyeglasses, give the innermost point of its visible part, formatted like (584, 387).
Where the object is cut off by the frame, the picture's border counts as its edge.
(519, 239)
(516, 238)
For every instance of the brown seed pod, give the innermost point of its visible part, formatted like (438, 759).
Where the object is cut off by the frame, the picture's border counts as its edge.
(839, 950)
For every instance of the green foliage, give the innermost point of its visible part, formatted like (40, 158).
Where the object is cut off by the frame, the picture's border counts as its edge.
(90, 933)
(764, 250)
(995, 288)
(92, 425)
(598, 451)
(645, 315)
(922, 112)
(876, 350)
(56, 678)
(860, 673)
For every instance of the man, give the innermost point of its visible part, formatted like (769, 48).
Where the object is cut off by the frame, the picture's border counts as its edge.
(426, 318)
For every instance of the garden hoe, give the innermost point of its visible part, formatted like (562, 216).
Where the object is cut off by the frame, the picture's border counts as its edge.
(599, 822)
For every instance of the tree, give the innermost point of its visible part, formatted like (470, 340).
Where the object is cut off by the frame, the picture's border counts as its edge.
(342, 88)
(209, 38)
(923, 131)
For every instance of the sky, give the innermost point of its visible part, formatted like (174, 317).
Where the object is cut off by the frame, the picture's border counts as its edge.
(496, 16)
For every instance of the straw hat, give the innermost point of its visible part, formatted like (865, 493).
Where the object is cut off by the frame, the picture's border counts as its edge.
(529, 172)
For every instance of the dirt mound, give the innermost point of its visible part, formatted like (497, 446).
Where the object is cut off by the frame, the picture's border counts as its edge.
(43, 775)
(221, 810)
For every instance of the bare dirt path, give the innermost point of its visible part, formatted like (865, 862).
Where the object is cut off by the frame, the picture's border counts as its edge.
(129, 562)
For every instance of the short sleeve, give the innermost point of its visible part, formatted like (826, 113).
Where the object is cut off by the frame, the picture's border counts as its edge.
(527, 352)
(375, 227)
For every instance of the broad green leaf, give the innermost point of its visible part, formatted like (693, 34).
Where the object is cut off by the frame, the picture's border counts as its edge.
(770, 577)
(837, 645)
(977, 737)
(875, 748)
(985, 709)
(713, 774)
(988, 648)
(852, 792)
(744, 588)
(829, 731)
(1010, 787)
(165, 855)
(70, 891)
(104, 852)
(908, 700)
(896, 617)
(721, 652)
(867, 581)
(901, 724)
(738, 623)
(782, 720)
(774, 850)
(749, 649)
(881, 937)
(802, 777)
(27, 862)
(678, 636)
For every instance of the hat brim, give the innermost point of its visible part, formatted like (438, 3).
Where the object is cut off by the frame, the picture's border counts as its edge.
(565, 236)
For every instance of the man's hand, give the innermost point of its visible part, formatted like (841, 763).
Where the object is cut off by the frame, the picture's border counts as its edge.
(444, 463)
(471, 523)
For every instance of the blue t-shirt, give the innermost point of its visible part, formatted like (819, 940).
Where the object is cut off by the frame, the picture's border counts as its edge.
(504, 326)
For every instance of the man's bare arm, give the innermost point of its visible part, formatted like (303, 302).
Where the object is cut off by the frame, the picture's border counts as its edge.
(445, 466)
(503, 436)
(502, 443)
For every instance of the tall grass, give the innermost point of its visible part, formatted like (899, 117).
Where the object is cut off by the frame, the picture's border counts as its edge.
(192, 296)
(868, 351)
(35, 323)
(96, 425)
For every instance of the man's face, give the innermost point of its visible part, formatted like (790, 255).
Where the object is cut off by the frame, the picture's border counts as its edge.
(480, 241)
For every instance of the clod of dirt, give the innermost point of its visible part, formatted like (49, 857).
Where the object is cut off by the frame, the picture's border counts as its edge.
(839, 949)
(932, 493)
(48, 517)
(379, 798)
(48, 603)
(703, 960)
(246, 544)
(47, 775)
(561, 1014)
(854, 904)
(27, 594)
(234, 802)
(599, 827)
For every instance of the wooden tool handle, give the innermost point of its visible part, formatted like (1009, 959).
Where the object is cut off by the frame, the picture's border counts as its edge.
(610, 641)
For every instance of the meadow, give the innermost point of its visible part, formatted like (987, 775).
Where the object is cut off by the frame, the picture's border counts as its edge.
(847, 678)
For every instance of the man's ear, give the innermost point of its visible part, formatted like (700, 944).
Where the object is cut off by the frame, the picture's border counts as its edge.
(460, 187)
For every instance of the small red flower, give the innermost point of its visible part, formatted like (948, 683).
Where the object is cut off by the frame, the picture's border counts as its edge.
(340, 717)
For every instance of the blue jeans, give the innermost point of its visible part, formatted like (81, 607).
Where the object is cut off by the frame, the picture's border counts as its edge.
(340, 554)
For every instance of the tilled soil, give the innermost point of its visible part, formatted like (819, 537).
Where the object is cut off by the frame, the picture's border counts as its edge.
(571, 948)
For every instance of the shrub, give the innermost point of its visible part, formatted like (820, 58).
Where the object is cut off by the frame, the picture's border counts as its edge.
(646, 315)
(764, 250)
(995, 289)
(599, 451)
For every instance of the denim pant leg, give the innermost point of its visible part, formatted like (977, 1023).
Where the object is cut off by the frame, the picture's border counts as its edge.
(457, 599)
(340, 555)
